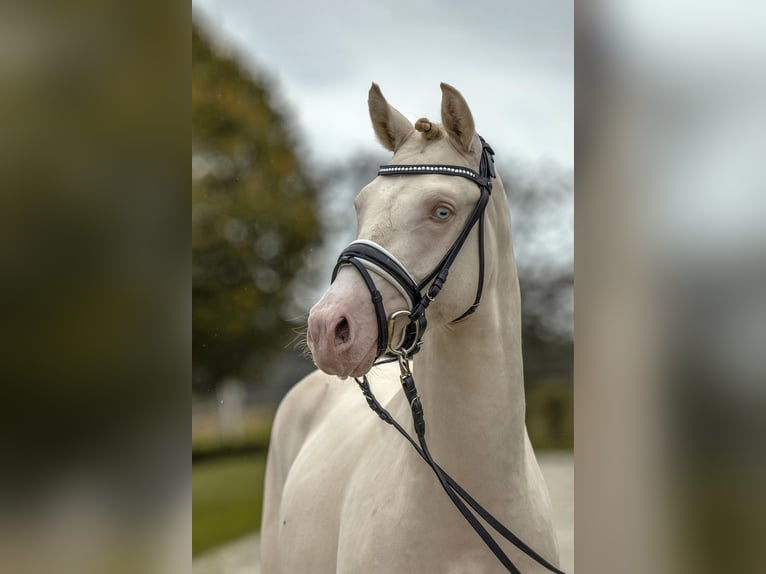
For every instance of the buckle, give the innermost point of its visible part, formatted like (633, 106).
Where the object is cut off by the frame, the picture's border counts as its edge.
(402, 350)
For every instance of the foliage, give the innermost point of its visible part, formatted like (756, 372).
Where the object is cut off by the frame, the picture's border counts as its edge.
(541, 197)
(253, 219)
(550, 413)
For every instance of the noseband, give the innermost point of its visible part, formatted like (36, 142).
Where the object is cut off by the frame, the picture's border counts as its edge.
(366, 256)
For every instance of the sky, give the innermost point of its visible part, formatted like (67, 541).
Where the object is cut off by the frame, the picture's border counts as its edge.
(511, 60)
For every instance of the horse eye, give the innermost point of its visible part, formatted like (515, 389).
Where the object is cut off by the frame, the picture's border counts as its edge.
(442, 212)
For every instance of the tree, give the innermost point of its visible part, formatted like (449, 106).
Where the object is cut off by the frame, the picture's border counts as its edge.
(541, 198)
(253, 219)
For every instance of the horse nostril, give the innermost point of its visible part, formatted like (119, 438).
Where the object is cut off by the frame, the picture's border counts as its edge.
(342, 332)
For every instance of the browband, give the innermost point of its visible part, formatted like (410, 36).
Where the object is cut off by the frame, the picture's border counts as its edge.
(428, 169)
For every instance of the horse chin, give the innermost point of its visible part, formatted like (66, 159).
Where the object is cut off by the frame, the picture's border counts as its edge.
(358, 368)
(364, 366)
(352, 363)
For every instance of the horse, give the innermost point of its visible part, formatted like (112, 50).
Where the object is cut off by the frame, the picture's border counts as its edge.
(343, 492)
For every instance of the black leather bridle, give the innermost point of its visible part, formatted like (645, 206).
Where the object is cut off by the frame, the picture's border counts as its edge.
(366, 256)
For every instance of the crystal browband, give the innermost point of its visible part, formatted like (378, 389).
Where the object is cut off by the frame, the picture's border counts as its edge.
(435, 170)
(387, 169)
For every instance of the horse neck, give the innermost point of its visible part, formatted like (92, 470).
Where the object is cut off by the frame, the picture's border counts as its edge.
(470, 378)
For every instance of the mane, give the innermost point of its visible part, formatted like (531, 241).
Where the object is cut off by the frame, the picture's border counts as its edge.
(429, 130)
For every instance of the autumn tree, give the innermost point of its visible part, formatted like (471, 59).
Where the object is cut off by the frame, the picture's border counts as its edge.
(253, 219)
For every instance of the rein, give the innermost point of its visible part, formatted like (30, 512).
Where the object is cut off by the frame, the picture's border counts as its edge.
(450, 486)
(366, 256)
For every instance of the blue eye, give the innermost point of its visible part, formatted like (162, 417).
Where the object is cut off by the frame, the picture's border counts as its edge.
(442, 212)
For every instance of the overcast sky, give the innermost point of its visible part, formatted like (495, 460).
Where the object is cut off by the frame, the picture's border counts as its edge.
(512, 60)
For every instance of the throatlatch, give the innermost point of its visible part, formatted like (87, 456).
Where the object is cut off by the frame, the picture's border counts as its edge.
(366, 256)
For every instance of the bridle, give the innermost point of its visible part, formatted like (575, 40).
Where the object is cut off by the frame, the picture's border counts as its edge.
(366, 256)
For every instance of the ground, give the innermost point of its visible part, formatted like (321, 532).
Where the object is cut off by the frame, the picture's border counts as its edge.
(243, 556)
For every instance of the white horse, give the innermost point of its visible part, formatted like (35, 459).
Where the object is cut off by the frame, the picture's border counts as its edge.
(344, 491)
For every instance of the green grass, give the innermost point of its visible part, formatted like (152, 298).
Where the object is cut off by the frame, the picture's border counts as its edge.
(550, 414)
(226, 499)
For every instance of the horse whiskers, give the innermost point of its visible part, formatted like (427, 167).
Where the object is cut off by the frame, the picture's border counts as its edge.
(299, 341)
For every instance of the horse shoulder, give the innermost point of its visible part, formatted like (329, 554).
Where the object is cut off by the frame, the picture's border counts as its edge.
(297, 415)
(541, 507)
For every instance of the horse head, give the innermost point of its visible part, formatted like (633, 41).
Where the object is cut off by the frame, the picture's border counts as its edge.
(412, 222)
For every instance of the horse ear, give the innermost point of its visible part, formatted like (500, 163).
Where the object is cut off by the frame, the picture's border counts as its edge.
(456, 117)
(390, 126)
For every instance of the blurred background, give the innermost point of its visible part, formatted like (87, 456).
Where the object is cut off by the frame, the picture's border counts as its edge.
(281, 144)
(671, 286)
(94, 257)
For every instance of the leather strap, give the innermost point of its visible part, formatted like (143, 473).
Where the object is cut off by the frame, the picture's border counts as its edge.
(480, 286)
(438, 277)
(381, 261)
(451, 487)
(377, 302)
